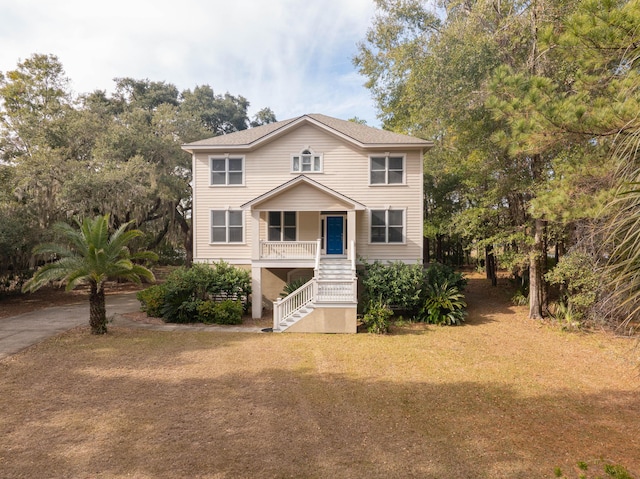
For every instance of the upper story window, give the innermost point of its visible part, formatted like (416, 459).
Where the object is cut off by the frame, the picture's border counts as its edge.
(227, 171)
(227, 226)
(306, 162)
(387, 170)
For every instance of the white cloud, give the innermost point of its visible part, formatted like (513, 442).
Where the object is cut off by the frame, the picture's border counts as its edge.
(291, 55)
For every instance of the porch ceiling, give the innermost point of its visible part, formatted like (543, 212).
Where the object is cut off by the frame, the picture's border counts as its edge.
(303, 194)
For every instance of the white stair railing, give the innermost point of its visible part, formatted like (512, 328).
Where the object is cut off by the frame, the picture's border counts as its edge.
(283, 309)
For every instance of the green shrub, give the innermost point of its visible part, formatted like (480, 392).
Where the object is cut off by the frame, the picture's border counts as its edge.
(183, 289)
(187, 288)
(407, 287)
(227, 312)
(152, 300)
(229, 282)
(564, 314)
(206, 311)
(519, 298)
(292, 286)
(224, 312)
(444, 305)
(398, 284)
(438, 273)
(579, 277)
(376, 319)
(617, 471)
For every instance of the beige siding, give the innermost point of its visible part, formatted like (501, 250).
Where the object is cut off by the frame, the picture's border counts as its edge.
(345, 170)
(327, 320)
(308, 226)
(305, 198)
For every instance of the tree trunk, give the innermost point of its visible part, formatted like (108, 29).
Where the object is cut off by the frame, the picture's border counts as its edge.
(490, 265)
(425, 249)
(545, 249)
(160, 236)
(536, 271)
(188, 239)
(439, 257)
(97, 310)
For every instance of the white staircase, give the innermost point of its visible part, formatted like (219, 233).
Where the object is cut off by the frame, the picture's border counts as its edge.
(334, 269)
(294, 317)
(334, 282)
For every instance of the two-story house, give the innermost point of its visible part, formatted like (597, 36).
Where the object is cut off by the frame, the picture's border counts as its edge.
(305, 198)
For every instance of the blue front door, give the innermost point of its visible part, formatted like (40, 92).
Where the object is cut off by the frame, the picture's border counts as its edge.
(335, 229)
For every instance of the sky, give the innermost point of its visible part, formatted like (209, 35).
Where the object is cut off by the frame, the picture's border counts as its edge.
(293, 56)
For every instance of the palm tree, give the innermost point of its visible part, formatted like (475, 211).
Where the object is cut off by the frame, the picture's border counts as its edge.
(91, 257)
(623, 268)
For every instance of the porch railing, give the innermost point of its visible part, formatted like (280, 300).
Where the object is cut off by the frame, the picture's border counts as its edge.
(288, 249)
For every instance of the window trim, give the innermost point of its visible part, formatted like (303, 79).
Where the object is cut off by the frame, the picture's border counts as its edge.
(386, 226)
(313, 155)
(386, 157)
(282, 225)
(227, 226)
(226, 170)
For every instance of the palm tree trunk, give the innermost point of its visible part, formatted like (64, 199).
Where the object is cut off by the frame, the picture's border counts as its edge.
(97, 310)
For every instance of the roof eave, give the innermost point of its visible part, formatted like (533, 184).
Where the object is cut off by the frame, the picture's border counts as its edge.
(394, 146)
(304, 119)
(193, 148)
(365, 146)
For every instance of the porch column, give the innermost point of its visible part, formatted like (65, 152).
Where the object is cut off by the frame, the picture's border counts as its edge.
(351, 230)
(256, 292)
(255, 235)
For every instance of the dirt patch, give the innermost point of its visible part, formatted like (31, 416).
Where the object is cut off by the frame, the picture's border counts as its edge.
(499, 397)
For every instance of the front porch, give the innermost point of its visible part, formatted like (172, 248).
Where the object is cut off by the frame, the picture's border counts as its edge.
(335, 244)
(313, 233)
(303, 224)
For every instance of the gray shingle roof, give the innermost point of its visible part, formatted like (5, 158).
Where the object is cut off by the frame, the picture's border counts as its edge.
(361, 134)
(242, 137)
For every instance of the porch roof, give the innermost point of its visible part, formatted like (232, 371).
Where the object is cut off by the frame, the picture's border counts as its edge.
(298, 181)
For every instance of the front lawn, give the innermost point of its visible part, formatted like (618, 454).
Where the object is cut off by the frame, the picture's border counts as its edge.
(499, 397)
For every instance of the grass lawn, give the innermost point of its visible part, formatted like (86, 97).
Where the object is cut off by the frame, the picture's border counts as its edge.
(500, 397)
